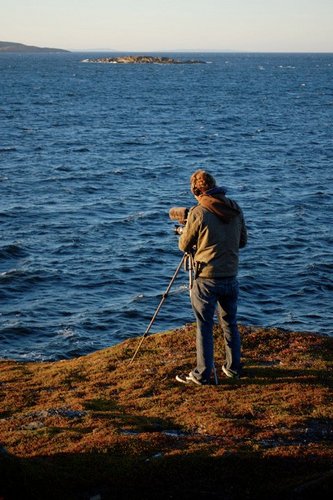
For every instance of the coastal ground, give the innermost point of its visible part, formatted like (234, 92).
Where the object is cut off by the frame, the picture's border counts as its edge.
(96, 427)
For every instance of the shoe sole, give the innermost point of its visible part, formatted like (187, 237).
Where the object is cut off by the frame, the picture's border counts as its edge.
(182, 381)
(229, 375)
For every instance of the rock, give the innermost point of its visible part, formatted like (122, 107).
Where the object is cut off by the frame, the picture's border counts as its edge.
(141, 60)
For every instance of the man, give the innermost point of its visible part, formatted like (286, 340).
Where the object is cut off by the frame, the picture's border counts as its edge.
(215, 230)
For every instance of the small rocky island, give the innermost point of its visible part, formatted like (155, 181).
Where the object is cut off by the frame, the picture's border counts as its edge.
(141, 60)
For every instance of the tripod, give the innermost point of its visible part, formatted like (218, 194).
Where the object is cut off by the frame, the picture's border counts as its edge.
(187, 260)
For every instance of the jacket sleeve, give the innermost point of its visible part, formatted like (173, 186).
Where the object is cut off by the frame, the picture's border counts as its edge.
(243, 234)
(188, 238)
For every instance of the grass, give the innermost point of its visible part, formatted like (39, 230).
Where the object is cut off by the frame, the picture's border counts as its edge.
(95, 426)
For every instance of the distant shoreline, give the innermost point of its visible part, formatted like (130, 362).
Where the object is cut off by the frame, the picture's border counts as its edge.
(14, 47)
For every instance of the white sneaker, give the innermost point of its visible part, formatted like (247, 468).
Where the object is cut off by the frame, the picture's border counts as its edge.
(188, 379)
(229, 373)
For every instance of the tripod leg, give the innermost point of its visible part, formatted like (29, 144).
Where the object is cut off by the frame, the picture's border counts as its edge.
(216, 380)
(158, 308)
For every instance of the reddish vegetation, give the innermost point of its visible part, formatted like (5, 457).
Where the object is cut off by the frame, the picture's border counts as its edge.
(97, 426)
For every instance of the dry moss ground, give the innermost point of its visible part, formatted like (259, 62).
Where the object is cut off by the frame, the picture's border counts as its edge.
(96, 427)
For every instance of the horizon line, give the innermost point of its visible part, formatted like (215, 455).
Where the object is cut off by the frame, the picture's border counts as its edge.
(208, 51)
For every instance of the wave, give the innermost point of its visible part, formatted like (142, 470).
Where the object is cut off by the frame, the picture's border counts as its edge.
(16, 330)
(12, 251)
(138, 298)
(22, 280)
(135, 217)
(8, 149)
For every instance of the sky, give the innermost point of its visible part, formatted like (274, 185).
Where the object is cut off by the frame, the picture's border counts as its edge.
(170, 25)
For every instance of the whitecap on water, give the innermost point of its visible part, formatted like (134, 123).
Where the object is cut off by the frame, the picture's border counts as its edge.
(136, 216)
(66, 333)
(179, 289)
(138, 297)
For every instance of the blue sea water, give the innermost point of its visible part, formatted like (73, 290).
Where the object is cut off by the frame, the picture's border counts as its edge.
(93, 156)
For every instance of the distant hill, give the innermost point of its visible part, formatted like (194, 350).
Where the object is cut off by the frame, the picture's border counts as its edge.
(20, 47)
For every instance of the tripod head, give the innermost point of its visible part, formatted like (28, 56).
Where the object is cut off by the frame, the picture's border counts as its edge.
(179, 214)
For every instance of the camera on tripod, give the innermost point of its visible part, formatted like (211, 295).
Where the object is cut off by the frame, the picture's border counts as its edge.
(180, 215)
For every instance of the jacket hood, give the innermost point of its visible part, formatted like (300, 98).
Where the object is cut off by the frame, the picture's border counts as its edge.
(216, 202)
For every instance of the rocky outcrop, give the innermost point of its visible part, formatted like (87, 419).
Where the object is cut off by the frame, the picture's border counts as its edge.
(141, 60)
(98, 427)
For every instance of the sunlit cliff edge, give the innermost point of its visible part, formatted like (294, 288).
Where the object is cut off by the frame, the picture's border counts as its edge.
(97, 427)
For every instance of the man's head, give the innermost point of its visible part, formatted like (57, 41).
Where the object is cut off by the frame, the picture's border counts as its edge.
(201, 181)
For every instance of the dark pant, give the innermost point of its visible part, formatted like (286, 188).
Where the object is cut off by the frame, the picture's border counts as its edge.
(206, 295)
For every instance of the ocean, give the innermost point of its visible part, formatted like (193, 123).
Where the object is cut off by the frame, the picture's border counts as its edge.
(93, 156)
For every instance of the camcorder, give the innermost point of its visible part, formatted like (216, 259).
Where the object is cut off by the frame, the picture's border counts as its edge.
(179, 214)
